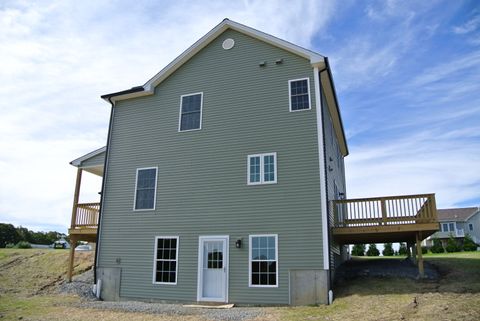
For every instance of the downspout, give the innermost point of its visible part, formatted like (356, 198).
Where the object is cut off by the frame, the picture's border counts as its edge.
(102, 193)
(322, 173)
(326, 172)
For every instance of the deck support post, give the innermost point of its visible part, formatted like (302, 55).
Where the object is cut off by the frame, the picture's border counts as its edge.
(71, 258)
(421, 270)
(75, 197)
(414, 253)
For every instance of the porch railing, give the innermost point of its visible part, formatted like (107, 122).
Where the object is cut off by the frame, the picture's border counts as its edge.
(86, 215)
(392, 210)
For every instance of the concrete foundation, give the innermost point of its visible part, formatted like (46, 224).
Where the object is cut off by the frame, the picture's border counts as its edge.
(309, 287)
(110, 283)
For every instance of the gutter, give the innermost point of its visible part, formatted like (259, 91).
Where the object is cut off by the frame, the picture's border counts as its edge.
(123, 92)
(102, 193)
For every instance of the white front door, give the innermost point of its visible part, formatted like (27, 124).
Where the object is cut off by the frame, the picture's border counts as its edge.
(213, 268)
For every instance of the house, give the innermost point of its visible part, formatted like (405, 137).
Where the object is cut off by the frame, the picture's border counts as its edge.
(457, 222)
(224, 180)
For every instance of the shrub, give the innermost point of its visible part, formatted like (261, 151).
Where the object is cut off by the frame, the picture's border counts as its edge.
(358, 250)
(437, 246)
(452, 245)
(372, 250)
(388, 249)
(424, 250)
(23, 245)
(403, 249)
(9, 245)
(468, 244)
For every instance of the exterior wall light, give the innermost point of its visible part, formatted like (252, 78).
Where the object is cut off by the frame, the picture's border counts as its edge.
(238, 244)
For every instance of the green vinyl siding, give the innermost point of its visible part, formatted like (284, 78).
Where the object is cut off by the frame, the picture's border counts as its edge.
(335, 172)
(202, 175)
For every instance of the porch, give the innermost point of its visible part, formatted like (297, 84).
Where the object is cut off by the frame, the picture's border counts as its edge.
(85, 216)
(408, 218)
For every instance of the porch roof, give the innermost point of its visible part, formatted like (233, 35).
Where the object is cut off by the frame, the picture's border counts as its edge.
(91, 162)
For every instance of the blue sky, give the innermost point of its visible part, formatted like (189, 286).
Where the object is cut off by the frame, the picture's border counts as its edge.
(407, 75)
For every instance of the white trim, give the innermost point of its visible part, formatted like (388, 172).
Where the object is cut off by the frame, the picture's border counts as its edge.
(77, 162)
(262, 169)
(321, 169)
(226, 24)
(155, 259)
(290, 95)
(201, 239)
(180, 112)
(250, 285)
(154, 194)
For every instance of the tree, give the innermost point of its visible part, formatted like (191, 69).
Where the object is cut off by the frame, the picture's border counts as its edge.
(372, 250)
(8, 234)
(388, 249)
(358, 250)
(437, 246)
(452, 245)
(403, 249)
(468, 244)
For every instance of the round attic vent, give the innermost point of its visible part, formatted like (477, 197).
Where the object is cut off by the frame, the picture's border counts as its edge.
(228, 43)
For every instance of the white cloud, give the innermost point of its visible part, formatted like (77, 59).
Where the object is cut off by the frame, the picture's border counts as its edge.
(469, 26)
(58, 57)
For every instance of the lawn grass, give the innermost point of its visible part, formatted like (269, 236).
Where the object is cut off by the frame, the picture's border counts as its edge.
(26, 293)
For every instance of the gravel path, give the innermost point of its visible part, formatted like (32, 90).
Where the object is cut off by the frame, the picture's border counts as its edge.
(82, 286)
(233, 314)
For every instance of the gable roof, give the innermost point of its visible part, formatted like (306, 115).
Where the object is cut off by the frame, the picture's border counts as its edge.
(149, 86)
(317, 60)
(456, 214)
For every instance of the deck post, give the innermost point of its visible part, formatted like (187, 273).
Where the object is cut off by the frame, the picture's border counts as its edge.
(71, 258)
(75, 197)
(384, 211)
(421, 270)
(414, 253)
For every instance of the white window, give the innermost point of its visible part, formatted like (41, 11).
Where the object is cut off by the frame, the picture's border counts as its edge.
(299, 94)
(145, 188)
(448, 227)
(262, 169)
(263, 260)
(470, 226)
(165, 264)
(190, 112)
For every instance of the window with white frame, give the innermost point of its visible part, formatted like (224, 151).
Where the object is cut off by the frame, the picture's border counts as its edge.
(166, 260)
(190, 112)
(470, 226)
(448, 227)
(145, 188)
(262, 169)
(263, 265)
(299, 92)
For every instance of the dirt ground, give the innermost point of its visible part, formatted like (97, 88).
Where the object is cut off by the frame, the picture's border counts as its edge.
(30, 279)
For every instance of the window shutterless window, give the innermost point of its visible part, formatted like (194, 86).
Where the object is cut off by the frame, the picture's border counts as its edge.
(165, 265)
(263, 260)
(470, 226)
(145, 189)
(299, 94)
(190, 112)
(262, 169)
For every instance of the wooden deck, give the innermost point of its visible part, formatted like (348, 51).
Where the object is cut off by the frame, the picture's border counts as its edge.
(85, 222)
(384, 219)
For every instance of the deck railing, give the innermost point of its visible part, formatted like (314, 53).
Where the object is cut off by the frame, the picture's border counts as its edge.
(392, 210)
(86, 215)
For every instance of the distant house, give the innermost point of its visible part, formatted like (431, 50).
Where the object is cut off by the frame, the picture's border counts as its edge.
(457, 222)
